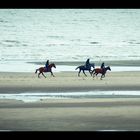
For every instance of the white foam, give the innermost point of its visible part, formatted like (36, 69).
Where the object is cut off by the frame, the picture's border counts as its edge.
(31, 97)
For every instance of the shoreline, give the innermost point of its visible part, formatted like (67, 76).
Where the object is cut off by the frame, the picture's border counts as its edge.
(13, 66)
(97, 63)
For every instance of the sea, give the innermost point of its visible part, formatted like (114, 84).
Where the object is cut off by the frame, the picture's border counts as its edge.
(35, 35)
(67, 35)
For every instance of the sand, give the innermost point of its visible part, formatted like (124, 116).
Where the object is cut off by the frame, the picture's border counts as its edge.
(121, 114)
(67, 82)
(69, 114)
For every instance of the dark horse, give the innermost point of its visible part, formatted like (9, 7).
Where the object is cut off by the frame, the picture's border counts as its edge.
(43, 69)
(83, 68)
(102, 71)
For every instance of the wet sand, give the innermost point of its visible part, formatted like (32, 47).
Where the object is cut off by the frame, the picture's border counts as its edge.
(69, 114)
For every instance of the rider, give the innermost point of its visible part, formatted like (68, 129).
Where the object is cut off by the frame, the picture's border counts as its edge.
(87, 64)
(103, 66)
(47, 64)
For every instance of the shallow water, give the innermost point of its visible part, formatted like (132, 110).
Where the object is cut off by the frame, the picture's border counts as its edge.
(31, 67)
(32, 97)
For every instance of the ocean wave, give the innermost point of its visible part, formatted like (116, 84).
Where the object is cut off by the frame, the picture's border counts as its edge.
(94, 42)
(11, 41)
(55, 36)
(3, 21)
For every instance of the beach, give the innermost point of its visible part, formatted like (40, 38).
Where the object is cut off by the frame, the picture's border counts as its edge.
(67, 38)
(67, 82)
(93, 114)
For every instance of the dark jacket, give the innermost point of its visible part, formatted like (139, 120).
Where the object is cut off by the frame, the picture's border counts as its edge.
(47, 64)
(87, 63)
(102, 65)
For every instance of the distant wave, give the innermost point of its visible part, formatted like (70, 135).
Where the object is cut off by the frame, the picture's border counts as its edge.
(55, 36)
(3, 21)
(11, 41)
(94, 42)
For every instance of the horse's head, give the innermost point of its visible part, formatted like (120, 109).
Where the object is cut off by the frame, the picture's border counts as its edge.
(108, 68)
(52, 65)
(92, 65)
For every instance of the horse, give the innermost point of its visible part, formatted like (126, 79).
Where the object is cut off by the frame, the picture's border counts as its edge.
(43, 69)
(102, 71)
(83, 68)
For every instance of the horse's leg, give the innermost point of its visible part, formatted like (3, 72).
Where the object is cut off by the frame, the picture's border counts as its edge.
(90, 72)
(79, 72)
(39, 74)
(52, 74)
(43, 74)
(36, 70)
(96, 75)
(101, 77)
(84, 73)
(93, 75)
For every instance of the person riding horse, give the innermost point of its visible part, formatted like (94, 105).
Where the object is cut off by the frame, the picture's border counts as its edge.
(103, 66)
(86, 67)
(47, 64)
(87, 64)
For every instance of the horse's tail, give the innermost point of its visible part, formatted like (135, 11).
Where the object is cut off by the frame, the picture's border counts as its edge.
(77, 68)
(36, 70)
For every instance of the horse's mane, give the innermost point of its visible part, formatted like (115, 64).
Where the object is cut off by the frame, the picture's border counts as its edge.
(51, 64)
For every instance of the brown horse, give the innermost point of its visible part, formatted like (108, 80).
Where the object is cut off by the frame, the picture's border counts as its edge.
(43, 69)
(102, 71)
